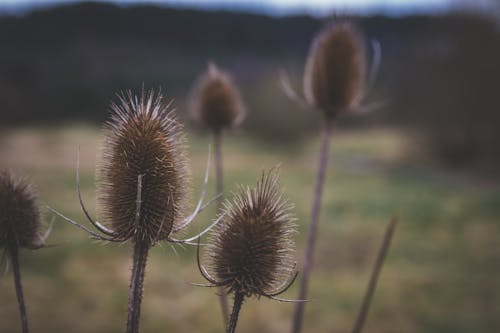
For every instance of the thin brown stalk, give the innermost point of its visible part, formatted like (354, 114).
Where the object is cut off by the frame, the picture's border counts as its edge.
(382, 253)
(311, 241)
(14, 257)
(141, 249)
(220, 190)
(238, 301)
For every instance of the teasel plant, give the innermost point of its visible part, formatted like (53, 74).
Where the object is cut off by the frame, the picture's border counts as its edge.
(143, 185)
(217, 105)
(250, 253)
(20, 227)
(334, 83)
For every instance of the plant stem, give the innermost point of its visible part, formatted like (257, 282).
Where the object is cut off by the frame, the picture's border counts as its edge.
(218, 167)
(358, 326)
(220, 190)
(238, 301)
(14, 257)
(141, 249)
(316, 205)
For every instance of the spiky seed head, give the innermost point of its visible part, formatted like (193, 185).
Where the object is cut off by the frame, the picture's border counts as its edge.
(143, 138)
(20, 221)
(215, 100)
(335, 70)
(251, 249)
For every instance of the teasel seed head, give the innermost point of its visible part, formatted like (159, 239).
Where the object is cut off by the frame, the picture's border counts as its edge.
(251, 250)
(143, 165)
(215, 100)
(20, 218)
(335, 70)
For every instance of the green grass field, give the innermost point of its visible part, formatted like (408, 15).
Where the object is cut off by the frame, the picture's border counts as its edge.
(442, 273)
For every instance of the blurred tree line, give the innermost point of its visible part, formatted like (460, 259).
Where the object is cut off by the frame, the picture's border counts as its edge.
(440, 75)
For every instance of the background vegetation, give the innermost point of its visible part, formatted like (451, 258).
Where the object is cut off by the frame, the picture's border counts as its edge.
(441, 274)
(417, 157)
(439, 75)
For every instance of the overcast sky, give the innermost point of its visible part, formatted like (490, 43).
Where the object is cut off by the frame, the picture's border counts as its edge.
(283, 7)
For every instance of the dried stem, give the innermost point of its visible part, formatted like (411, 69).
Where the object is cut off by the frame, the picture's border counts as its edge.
(219, 191)
(141, 249)
(14, 257)
(358, 326)
(316, 205)
(218, 167)
(238, 301)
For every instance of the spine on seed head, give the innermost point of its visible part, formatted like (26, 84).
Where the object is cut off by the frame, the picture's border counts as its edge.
(144, 166)
(251, 250)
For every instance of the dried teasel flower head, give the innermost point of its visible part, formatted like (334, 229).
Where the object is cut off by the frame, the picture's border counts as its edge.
(334, 75)
(215, 100)
(20, 219)
(251, 250)
(143, 176)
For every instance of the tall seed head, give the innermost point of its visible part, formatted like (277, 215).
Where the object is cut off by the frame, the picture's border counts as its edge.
(335, 70)
(143, 138)
(216, 102)
(251, 250)
(20, 221)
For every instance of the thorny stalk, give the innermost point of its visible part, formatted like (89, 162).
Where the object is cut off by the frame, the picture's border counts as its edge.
(238, 301)
(14, 257)
(141, 249)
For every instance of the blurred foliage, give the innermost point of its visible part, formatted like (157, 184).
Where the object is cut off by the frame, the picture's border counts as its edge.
(439, 75)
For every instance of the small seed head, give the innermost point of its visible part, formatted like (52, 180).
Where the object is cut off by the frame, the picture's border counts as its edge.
(20, 220)
(335, 70)
(143, 138)
(216, 103)
(251, 250)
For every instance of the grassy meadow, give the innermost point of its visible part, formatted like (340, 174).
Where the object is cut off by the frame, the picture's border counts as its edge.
(441, 275)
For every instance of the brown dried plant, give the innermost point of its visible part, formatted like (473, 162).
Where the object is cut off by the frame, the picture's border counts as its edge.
(334, 76)
(334, 83)
(215, 100)
(20, 227)
(216, 104)
(143, 182)
(250, 253)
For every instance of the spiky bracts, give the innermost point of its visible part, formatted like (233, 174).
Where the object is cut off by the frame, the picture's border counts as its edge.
(143, 184)
(334, 74)
(251, 250)
(143, 176)
(216, 102)
(20, 221)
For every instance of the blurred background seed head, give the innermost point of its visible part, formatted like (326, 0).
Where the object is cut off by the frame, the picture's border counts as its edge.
(334, 75)
(20, 221)
(215, 101)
